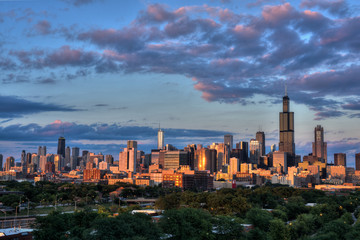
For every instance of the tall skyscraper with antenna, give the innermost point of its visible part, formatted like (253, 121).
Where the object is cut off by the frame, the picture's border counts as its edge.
(319, 146)
(287, 141)
(160, 138)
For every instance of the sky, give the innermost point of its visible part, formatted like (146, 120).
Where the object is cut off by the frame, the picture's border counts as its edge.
(101, 72)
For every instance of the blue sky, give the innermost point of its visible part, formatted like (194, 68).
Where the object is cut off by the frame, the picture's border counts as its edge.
(108, 71)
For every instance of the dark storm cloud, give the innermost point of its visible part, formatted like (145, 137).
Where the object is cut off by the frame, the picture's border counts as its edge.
(100, 131)
(11, 106)
(231, 57)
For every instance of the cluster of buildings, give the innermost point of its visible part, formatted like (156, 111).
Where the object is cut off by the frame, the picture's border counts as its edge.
(195, 166)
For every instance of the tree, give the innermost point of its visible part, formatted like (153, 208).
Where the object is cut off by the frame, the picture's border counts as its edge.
(278, 230)
(169, 201)
(187, 223)
(228, 228)
(259, 218)
(127, 226)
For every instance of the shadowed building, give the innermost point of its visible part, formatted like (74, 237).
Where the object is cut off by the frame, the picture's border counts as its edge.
(61, 146)
(357, 161)
(319, 146)
(260, 137)
(228, 140)
(340, 159)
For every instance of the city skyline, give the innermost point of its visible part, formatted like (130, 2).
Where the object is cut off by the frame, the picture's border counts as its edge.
(104, 72)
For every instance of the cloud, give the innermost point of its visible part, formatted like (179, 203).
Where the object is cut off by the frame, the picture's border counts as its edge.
(232, 57)
(12, 107)
(336, 7)
(43, 27)
(98, 131)
(79, 3)
(328, 114)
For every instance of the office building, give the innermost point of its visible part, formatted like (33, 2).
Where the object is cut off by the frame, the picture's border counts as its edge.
(357, 161)
(244, 146)
(132, 144)
(280, 161)
(109, 159)
(205, 159)
(127, 160)
(273, 148)
(175, 159)
(287, 141)
(255, 150)
(260, 137)
(340, 159)
(1, 162)
(10, 162)
(61, 147)
(319, 147)
(228, 140)
(23, 161)
(67, 155)
(223, 154)
(160, 139)
(42, 150)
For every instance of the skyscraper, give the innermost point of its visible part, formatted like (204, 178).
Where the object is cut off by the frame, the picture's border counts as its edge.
(255, 149)
(319, 147)
(131, 144)
(260, 137)
(160, 139)
(228, 140)
(61, 146)
(67, 155)
(357, 161)
(10, 162)
(287, 143)
(1, 162)
(23, 162)
(340, 159)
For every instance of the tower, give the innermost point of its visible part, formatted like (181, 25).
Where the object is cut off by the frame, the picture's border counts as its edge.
(260, 137)
(319, 147)
(228, 140)
(61, 146)
(287, 143)
(357, 161)
(160, 139)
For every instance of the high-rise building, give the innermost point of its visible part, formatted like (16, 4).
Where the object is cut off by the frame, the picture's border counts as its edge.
(357, 161)
(287, 143)
(10, 162)
(228, 140)
(255, 150)
(61, 147)
(340, 159)
(160, 139)
(132, 144)
(205, 159)
(67, 155)
(319, 147)
(74, 157)
(245, 147)
(280, 161)
(127, 160)
(1, 162)
(42, 150)
(23, 162)
(223, 154)
(260, 137)
(273, 148)
(175, 159)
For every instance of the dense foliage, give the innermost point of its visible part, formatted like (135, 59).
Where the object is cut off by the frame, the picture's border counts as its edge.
(268, 212)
